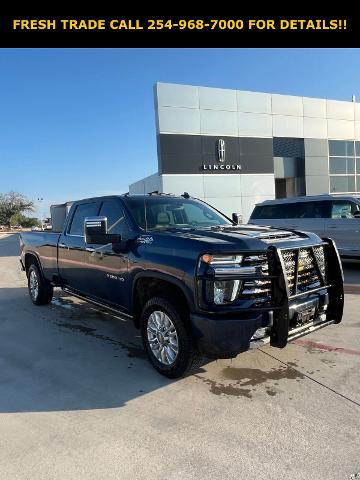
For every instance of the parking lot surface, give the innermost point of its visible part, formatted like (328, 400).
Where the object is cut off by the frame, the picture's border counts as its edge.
(79, 400)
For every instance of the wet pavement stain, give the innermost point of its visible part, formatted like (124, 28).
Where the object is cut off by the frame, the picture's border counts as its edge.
(79, 310)
(133, 351)
(250, 377)
(292, 364)
(330, 363)
(271, 392)
(77, 328)
(255, 376)
(229, 390)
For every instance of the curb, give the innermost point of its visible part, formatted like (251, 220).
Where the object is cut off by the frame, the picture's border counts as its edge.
(350, 288)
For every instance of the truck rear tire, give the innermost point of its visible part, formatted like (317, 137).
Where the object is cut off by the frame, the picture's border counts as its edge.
(167, 338)
(40, 292)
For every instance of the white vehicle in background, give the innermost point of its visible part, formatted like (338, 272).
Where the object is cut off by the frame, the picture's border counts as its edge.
(334, 216)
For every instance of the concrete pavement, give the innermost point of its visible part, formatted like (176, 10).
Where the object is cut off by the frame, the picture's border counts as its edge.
(79, 400)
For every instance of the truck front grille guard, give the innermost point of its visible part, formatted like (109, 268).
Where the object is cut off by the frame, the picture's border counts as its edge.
(325, 273)
(322, 272)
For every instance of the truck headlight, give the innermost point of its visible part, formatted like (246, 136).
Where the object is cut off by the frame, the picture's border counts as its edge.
(231, 260)
(225, 291)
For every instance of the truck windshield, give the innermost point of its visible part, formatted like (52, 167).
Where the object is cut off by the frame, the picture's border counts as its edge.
(165, 213)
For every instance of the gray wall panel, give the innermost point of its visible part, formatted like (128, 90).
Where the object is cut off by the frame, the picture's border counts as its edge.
(315, 147)
(174, 95)
(176, 144)
(257, 164)
(180, 163)
(316, 165)
(256, 146)
(317, 184)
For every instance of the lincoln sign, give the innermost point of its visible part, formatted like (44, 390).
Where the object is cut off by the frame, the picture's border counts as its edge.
(220, 147)
(221, 167)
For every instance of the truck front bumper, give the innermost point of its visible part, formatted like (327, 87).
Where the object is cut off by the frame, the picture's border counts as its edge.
(224, 337)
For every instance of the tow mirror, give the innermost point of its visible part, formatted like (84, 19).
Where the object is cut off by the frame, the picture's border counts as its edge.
(236, 218)
(95, 229)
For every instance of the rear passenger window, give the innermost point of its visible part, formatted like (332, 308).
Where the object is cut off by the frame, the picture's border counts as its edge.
(81, 212)
(310, 210)
(292, 210)
(273, 211)
(115, 216)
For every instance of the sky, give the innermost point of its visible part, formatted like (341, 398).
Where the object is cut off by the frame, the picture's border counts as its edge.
(76, 123)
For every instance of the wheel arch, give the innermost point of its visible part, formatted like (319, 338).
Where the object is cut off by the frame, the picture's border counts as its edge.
(147, 285)
(30, 259)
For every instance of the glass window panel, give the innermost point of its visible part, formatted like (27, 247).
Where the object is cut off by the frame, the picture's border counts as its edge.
(358, 183)
(115, 216)
(357, 149)
(310, 210)
(358, 165)
(343, 209)
(341, 165)
(342, 184)
(82, 211)
(340, 148)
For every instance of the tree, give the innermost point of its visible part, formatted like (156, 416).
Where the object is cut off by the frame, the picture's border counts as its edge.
(24, 221)
(13, 203)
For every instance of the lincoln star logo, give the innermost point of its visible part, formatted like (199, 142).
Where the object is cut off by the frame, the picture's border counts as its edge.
(221, 150)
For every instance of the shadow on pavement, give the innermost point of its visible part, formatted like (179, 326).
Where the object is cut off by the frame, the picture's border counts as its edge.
(68, 356)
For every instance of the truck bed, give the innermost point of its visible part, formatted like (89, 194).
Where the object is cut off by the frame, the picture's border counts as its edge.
(43, 244)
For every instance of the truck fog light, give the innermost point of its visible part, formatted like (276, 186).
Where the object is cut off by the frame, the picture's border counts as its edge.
(225, 291)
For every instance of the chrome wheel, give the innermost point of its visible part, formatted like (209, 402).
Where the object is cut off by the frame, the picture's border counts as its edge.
(162, 337)
(33, 285)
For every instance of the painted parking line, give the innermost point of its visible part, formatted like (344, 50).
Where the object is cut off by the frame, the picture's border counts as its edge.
(324, 346)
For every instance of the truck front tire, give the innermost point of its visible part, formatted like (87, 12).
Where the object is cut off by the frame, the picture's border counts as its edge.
(167, 338)
(41, 293)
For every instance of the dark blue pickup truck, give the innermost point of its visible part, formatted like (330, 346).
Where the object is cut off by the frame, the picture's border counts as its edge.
(196, 283)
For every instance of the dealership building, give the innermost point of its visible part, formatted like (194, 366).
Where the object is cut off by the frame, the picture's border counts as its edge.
(235, 148)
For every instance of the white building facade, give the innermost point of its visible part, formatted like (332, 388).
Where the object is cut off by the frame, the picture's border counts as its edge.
(235, 148)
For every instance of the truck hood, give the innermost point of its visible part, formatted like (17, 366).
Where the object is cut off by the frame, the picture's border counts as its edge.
(247, 237)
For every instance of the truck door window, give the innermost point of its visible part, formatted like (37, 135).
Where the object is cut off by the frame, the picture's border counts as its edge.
(115, 216)
(343, 209)
(81, 212)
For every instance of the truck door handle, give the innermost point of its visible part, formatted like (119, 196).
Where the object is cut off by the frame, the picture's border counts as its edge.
(62, 245)
(332, 226)
(90, 249)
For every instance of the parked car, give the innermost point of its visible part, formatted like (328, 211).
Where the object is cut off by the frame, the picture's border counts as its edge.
(196, 283)
(335, 216)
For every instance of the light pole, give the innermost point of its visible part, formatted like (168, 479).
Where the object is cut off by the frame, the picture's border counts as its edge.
(40, 200)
